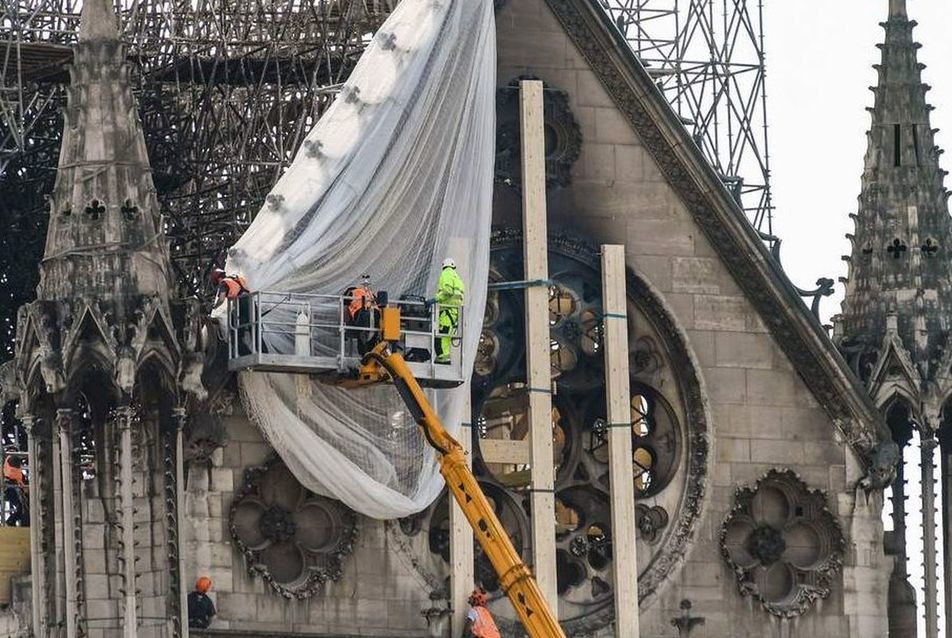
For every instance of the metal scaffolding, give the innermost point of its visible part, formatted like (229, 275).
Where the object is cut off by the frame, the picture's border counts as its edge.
(707, 57)
(227, 91)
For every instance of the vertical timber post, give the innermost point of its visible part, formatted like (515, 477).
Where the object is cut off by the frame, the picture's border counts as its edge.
(64, 431)
(180, 517)
(37, 557)
(539, 375)
(930, 598)
(127, 516)
(462, 578)
(620, 470)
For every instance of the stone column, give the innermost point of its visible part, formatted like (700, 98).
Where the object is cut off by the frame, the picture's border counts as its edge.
(539, 381)
(179, 416)
(930, 598)
(124, 418)
(59, 560)
(620, 470)
(64, 432)
(37, 557)
(462, 578)
(944, 468)
(902, 609)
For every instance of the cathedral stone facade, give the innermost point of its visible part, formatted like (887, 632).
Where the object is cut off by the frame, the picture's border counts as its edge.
(761, 453)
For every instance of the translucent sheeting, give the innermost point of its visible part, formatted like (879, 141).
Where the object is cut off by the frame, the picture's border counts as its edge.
(395, 177)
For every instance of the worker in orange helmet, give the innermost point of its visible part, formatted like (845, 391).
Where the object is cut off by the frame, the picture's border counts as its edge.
(15, 491)
(234, 287)
(227, 286)
(201, 609)
(360, 297)
(362, 311)
(479, 622)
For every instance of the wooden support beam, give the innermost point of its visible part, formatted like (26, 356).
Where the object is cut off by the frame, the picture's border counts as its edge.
(127, 516)
(506, 451)
(180, 510)
(64, 430)
(462, 578)
(620, 470)
(535, 253)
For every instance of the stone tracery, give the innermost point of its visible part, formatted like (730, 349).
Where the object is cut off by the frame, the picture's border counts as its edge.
(783, 544)
(668, 434)
(293, 539)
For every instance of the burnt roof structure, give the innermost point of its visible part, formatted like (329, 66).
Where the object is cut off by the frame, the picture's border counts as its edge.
(226, 93)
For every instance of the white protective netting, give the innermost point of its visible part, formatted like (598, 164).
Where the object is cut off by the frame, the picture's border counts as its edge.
(396, 176)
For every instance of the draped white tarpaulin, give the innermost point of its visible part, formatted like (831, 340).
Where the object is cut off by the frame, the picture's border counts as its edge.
(396, 176)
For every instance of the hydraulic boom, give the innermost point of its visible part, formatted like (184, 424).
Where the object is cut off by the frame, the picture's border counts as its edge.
(384, 364)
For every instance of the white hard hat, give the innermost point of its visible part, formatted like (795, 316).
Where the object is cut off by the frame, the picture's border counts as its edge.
(449, 263)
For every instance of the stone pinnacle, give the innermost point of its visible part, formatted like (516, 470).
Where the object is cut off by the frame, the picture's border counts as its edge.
(98, 22)
(897, 9)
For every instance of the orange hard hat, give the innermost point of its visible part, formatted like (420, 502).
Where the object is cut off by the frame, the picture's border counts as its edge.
(203, 584)
(479, 597)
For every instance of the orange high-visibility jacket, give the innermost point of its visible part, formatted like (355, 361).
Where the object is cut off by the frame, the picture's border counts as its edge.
(360, 298)
(235, 285)
(484, 626)
(12, 473)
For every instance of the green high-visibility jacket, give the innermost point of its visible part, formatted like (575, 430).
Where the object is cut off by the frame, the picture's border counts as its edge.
(450, 289)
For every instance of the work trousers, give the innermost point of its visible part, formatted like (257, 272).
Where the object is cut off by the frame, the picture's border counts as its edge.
(448, 322)
(246, 334)
(18, 516)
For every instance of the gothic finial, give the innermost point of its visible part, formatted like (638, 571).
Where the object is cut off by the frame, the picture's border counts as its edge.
(98, 22)
(897, 9)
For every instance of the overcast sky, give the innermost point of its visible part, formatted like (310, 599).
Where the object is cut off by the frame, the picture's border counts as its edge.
(819, 57)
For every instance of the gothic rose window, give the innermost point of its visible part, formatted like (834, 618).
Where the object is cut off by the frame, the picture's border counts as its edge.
(292, 538)
(668, 430)
(782, 543)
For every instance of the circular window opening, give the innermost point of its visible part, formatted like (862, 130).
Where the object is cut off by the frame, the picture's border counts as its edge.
(504, 435)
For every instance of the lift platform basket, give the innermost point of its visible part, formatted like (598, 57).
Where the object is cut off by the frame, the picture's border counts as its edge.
(317, 336)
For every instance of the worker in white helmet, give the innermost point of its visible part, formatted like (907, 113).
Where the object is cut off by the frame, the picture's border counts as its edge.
(449, 300)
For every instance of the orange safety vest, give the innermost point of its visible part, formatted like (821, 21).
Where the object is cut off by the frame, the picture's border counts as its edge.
(484, 626)
(360, 298)
(12, 473)
(235, 285)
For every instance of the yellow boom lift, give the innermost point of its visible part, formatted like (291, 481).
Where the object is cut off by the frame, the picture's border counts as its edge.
(249, 321)
(385, 363)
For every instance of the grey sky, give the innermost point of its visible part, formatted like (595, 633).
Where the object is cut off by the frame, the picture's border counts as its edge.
(819, 57)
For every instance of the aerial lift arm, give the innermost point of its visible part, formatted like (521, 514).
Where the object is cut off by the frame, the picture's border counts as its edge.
(384, 363)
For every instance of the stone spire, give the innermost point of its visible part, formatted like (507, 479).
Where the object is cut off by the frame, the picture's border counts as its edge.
(901, 262)
(894, 326)
(105, 238)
